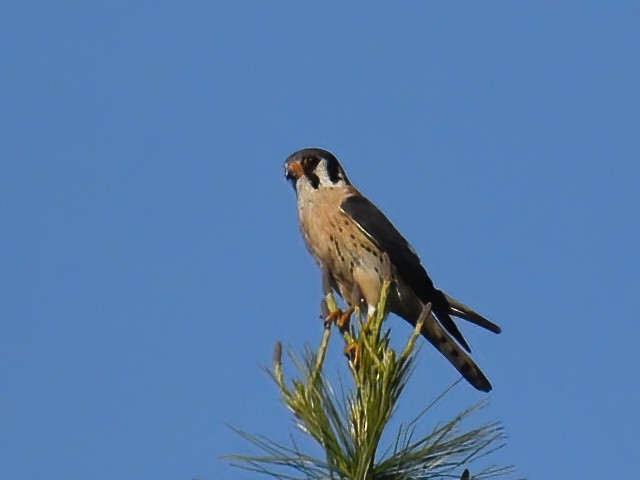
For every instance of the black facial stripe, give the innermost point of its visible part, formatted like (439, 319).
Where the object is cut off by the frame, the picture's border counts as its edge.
(313, 179)
(310, 160)
(333, 169)
(309, 165)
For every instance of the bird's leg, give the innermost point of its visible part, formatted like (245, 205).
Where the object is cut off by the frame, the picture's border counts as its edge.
(353, 349)
(340, 318)
(328, 306)
(356, 298)
(343, 319)
(327, 282)
(330, 311)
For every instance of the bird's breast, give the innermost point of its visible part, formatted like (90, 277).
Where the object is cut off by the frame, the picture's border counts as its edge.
(338, 244)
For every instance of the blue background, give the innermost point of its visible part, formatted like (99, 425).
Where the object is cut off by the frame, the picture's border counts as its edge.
(150, 254)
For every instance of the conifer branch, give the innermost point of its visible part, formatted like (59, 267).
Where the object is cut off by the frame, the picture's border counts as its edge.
(348, 425)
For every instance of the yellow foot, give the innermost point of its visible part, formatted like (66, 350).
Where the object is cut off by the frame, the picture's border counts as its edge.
(340, 318)
(352, 351)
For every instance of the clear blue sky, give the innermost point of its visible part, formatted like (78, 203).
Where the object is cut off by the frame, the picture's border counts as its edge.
(150, 254)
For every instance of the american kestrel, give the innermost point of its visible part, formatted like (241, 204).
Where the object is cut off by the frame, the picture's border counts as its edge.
(349, 237)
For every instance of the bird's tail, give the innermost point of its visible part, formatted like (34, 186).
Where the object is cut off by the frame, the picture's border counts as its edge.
(442, 340)
(459, 309)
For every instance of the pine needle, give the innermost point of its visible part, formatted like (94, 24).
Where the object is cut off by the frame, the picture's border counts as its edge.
(348, 423)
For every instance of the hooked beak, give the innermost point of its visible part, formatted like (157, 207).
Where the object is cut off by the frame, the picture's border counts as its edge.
(293, 170)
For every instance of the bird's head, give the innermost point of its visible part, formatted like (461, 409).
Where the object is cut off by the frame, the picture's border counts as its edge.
(314, 168)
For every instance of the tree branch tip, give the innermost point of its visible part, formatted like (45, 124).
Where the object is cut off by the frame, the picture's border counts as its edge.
(277, 355)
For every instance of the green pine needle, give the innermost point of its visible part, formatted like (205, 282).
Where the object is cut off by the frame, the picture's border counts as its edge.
(348, 424)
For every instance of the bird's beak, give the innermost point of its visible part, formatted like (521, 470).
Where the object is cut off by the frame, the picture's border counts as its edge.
(293, 170)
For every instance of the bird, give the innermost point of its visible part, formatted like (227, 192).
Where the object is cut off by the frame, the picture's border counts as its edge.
(350, 239)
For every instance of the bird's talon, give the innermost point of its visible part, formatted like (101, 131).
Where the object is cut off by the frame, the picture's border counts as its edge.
(344, 319)
(332, 317)
(340, 318)
(352, 352)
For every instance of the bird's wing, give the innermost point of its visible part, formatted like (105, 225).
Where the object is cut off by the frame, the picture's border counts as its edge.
(387, 238)
(404, 258)
(460, 310)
